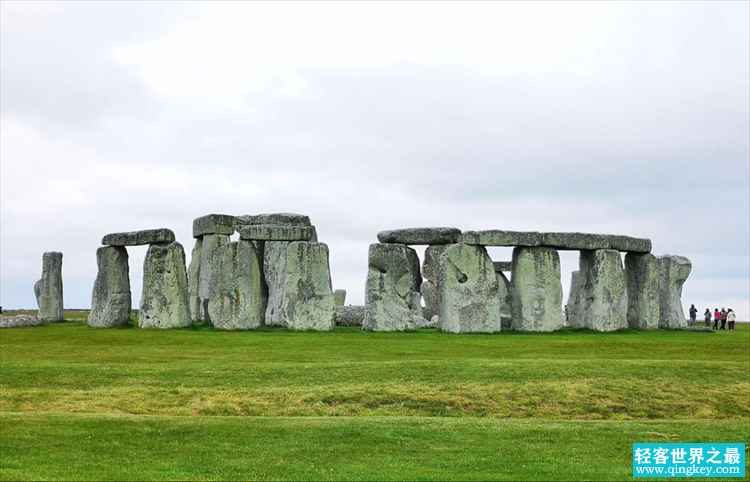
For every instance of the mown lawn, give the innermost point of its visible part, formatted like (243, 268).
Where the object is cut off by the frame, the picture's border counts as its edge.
(272, 404)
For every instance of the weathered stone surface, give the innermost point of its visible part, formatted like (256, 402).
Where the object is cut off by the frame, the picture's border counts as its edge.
(421, 322)
(629, 244)
(536, 291)
(350, 315)
(392, 278)
(139, 238)
(420, 236)
(213, 224)
(501, 266)
(235, 296)
(49, 289)
(496, 237)
(277, 219)
(575, 241)
(111, 299)
(503, 292)
(429, 292)
(432, 259)
(193, 275)
(164, 300)
(20, 321)
(209, 245)
(340, 297)
(468, 291)
(673, 271)
(314, 236)
(603, 304)
(642, 273)
(574, 301)
(299, 285)
(267, 232)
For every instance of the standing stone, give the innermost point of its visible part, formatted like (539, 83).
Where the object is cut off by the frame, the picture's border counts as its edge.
(574, 301)
(503, 285)
(430, 269)
(340, 297)
(164, 301)
(536, 291)
(429, 292)
(642, 273)
(193, 275)
(392, 279)
(298, 275)
(49, 289)
(673, 271)
(111, 300)
(211, 242)
(468, 291)
(604, 294)
(235, 296)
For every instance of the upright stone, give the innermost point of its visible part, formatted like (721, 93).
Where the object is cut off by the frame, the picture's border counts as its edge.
(193, 275)
(468, 291)
(235, 294)
(503, 285)
(642, 273)
(340, 297)
(392, 278)
(211, 242)
(49, 289)
(574, 301)
(673, 271)
(164, 301)
(536, 291)
(430, 269)
(299, 285)
(111, 300)
(604, 294)
(429, 292)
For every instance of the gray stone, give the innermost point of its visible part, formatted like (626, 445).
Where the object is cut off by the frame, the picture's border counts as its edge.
(468, 291)
(139, 238)
(429, 292)
(20, 321)
(629, 244)
(268, 232)
(604, 297)
(421, 322)
(49, 289)
(432, 259)
(501, 266)
(340, 297)
(574, 301)
(496, 237)
(213, 224)
(299, 286)
(503, 285)
(314, 237)
(277, 219)
(111, 300)
(164, 301)
(350, 315)
(210, 244)
(575, 241)
(235, 295)
(642, 273)
(673, 271)
(392, 278)
(193, 275)
(536, 291)
(420, 236)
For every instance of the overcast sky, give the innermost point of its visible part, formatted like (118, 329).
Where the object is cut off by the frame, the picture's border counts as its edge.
(624, 118)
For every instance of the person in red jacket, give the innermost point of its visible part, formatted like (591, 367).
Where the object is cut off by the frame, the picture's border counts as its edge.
(717, 318)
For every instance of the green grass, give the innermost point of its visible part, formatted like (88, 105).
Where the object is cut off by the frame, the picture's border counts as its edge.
(272, 404)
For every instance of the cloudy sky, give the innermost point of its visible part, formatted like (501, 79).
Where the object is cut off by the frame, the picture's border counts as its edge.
(625, 118)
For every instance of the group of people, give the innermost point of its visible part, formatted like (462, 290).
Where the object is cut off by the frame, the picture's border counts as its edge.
(725, 317)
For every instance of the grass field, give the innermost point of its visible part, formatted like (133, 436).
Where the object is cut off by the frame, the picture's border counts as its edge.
(84, 403)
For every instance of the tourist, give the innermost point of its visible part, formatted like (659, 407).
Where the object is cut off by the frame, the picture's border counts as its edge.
(707, 317)
(693, 315)
(717, 318)
(723, 315)
(731, 318)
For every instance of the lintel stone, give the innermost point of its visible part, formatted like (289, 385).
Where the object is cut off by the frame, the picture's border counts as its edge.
(213, 224)
(428, 236)
(268, 232)
(575, 241)
(139, 238)
(496, 237)
(276, 219)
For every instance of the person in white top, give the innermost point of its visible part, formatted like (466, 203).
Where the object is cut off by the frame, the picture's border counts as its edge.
(730, 318)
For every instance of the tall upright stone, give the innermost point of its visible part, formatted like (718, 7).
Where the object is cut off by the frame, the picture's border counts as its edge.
(211, 242)
(642, 273)
(111, 299)
(536, 291)
(574, 301)
(430, 269)
(604, 294)
(164, 300)
(392, 279)
(193, 275)
(503, 285)
(235, 297)
(49, 289)
(468, 291)
(300, 294)
(340, 297)
(673, 271)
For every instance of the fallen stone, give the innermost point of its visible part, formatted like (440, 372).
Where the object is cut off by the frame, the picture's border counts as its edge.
(575, 241)
(49, 289)
(349, 315)
(111, 300)
(213, 224)
(642, 273)
(139, 238)
(299, 286)
(340, 297)
(604, 295)
(629, 244)
(276, 219)
(699, 329)
(420, 236)
(468, 291)
(209, 245)
(193, 276)
(501, 266)
(235, 296)
(421, 322)
(673, 271)
(20, 321)
(392, 278)
(164, 300)
(267, 232)
(536, 291)
(574, 301)
(496, 237)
